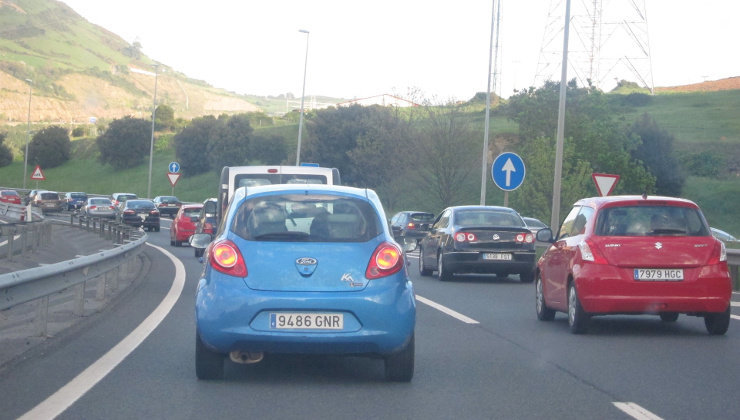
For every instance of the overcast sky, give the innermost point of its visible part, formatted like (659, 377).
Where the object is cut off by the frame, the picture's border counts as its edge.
(440, 48)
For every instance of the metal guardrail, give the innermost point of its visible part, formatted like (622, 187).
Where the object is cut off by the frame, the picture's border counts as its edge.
(40, 283)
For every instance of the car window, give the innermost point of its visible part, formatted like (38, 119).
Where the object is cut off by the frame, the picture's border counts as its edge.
(443, 220)
(194, 212)
(315, 218)
(100, 202)
(422, 217)
(139, 205)
(49, 196)
(658, 220)
(567, 226)
(487, 218)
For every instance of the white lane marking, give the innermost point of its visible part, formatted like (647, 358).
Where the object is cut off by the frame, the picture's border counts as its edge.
(58, 402)
(635, 411)
(735, 317)
(734, 303)
(446, 310)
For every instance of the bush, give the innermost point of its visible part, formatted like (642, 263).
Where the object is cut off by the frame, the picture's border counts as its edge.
(50, 147)
(6, 156)
(125, 143)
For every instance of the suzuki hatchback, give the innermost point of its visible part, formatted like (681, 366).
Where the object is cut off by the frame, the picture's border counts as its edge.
(634, 255)
(304, 269)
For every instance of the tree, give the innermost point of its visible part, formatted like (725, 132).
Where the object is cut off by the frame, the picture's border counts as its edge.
(268, 149)
(6, 155)
(50, 147)
(655, 150)
(164, 118)
(229, 143)
(191, 144)
(125, 143)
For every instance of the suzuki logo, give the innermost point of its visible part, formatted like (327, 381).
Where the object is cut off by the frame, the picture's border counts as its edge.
(658, 245)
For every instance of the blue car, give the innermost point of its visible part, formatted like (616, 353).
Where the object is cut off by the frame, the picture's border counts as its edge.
(310, 269)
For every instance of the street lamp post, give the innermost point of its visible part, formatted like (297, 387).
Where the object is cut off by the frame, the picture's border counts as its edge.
(303, 95)
(28, 134)
(151, 145)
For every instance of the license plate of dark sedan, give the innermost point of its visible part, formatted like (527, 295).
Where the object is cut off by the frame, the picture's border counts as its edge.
(658, 274)
(306, 321)
(497, 256)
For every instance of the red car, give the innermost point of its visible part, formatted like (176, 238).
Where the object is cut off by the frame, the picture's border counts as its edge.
(184, 224)
(634, 255)
(10, 196)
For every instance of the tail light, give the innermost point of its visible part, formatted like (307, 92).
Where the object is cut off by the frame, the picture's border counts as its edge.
(719, 255)
(93, 207)
(154, 213)
(207, 228)
(465, 237)
(524, 238)
(129, 212)
(588, 255)
(410, 225)
(387, 259)
(224, 256)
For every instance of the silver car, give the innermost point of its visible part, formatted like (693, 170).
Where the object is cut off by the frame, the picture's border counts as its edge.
(98, 207)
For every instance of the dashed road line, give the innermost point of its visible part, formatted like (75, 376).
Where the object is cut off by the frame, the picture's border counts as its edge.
(446, 310)
(636, 411)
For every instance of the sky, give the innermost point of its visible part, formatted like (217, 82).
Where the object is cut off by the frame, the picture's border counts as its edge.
(438, 49)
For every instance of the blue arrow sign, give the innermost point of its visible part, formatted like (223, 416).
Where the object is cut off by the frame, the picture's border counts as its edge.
(174, 167)
(508, 171)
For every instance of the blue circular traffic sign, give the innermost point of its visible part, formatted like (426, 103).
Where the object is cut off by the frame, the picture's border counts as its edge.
(174, 167)
(508, 171)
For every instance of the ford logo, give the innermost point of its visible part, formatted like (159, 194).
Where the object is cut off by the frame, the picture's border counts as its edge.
(306, 265)
(306, 261)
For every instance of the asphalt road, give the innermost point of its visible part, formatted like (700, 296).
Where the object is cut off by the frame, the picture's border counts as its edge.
(482, 354)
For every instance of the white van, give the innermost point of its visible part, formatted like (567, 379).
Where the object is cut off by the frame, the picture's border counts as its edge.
(233, 177)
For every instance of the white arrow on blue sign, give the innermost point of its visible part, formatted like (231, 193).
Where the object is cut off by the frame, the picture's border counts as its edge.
(174, 167)
(508, 171)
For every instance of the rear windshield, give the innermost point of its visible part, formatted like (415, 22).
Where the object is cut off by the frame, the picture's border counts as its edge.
(256, 180)
(49, 196)
(195, 212)
(169, 199)
(487, 218)
(9, 193)
(100, 201)
(80, 196)
(307, 218)
(650, 221)
(139, 204)
(422, 217)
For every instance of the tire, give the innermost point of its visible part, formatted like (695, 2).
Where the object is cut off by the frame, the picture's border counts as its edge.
(669, 316)
(208, 364)
(423, 270)
(578, 319)
(156, 229)
(173, 243)
(198, 252)
(717, 323)
(442, 273)
(527, 277)
(399, 367)
(543, 312)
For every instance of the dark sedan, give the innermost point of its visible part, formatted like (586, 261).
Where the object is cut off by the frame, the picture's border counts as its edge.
(139, 213)
(168, 205)
(478, 239)
(411, 224)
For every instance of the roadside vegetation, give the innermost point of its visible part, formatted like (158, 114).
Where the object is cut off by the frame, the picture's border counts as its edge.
(427, 157)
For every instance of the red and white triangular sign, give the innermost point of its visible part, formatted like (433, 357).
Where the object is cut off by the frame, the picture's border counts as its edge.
(173, 177)
(37, 175)
(605, 183)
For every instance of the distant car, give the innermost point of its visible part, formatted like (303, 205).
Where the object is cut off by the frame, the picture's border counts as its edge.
(722, 235)
(168, 205)
(48, 201)
(29, 198)
(75, 200)
(411, 224)
(534, 225)
(478, 239)
(139, 213)
(206, 223)
(304, 269)
(98, 207)
(10, 196)
(634, 255)
(118, 198)
(183, 226)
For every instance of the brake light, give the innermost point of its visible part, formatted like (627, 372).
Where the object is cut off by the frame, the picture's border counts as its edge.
(129, 212)
(719, 255)
(387, 259)
(465, 237)
(588, 255)
(207, 228)
(522, 238)
(93, 207)
(225, 257)
(410, 225)
(272, 171)
(154, 212)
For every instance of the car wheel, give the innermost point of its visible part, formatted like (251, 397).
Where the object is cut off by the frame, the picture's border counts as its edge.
(156, 228)
(443, 274)
(526, 277)
(173, 243)
(669, 316)
(423, 270)
(399, 367)
(577, 318)
(543, 312)
(198, 252)
(717, 323)
(208, 364)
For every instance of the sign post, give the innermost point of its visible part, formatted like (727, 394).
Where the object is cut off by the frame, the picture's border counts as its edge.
(174, 174)
(508, 173)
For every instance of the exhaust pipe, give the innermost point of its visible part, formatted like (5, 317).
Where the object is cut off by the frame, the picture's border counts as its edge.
(245, 357)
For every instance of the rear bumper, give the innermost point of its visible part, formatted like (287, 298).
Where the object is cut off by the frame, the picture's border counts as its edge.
(473, 262)
(606, 289)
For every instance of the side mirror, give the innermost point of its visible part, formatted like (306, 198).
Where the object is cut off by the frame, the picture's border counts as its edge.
(544, 235)
(409, 244)
(200, 240)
